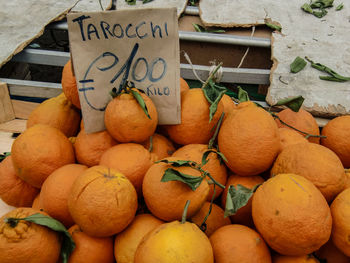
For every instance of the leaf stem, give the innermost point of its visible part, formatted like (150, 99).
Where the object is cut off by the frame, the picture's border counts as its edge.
(212, 139)
(150, 148)
(307, 135)
(184, 214)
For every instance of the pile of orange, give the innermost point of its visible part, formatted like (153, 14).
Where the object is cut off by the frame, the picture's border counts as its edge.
(115, 190)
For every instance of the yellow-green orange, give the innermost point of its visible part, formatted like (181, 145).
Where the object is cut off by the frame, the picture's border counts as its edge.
(173, 243)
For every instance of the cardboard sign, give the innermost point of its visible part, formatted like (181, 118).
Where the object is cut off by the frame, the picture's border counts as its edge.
(140, 45)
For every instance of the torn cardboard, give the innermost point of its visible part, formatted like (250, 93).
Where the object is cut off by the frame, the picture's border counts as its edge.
(180, 5)
(23, 21)
(323, 40)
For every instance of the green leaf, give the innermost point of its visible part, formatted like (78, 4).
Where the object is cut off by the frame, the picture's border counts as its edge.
(242, 95)
(141, 102)
(334, 75)
(322, 3)
(307, 8)
(331, 78)
(177, 163)
(321, 13)
(68, 244)
(339, 7)
(171, 174)
(297, 65)
(146, 1)
(193, 2)
(237, 198)
(131, 2)
(213, 93)
(274, 26)
(198, 27)
(293, 103)
(4, 155)
(206, 154)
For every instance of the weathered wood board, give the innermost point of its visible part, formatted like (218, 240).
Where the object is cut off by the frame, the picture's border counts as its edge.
(6, 109)
(323, 40)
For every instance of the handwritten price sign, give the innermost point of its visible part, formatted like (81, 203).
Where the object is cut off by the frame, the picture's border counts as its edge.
(138, 45)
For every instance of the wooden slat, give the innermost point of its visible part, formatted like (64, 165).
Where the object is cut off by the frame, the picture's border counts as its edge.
(6, 141)
(22, 109)
(35, 89)
(6, 110)
(15, 125)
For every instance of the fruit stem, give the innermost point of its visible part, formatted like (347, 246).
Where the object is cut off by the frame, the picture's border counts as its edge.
(205, 174)
(203, 226)
(184, 214)
(150, 148)
(211, 76)
(307, 135)
(13, 222)
(218, 125)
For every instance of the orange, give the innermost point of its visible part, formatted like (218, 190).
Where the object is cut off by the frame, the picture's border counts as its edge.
(237, 243)
(250, 141)
(127, 122)
(57, 112)
(214, 221)
(69, 84)
(27, 242)
(291, 214)
(166, 200)
(55, 191)
(13, 190)
(340, 209)
(102, 201)
(162, 147)
(314, 162)
(301, 120)
(90, 249)
(244, 214)
(331, 253)
(130, 159)
(289, 137)
(338, 133)
(89, 147)
(229, 105)
(214, 166)
(195, 126)
(126, 242)
(36, 203)
(175, 242)
(245, 104)
(294, 259)
(38, 151)
(183, 85)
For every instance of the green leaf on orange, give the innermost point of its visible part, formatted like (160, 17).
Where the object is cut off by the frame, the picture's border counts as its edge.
(293, 103)
(237, 197)
(242, 95)
(171, 174)
(68, 244)
(141, 102)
